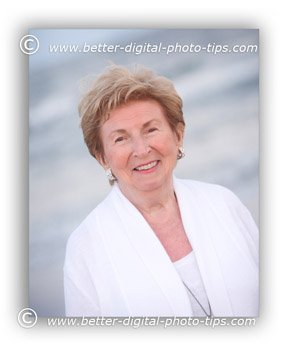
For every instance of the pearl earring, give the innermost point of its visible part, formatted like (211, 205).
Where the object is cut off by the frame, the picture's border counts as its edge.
(181, 153)
(110, 174)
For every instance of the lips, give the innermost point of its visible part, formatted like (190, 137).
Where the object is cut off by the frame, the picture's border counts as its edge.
(146, 166)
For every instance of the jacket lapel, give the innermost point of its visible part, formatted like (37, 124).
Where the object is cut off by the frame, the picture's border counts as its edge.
(198, 224)
(152, 268)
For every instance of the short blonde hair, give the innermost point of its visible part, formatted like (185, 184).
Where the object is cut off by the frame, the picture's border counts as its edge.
(117, 86)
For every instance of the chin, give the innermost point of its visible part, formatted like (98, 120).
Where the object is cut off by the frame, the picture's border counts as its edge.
(149, 185)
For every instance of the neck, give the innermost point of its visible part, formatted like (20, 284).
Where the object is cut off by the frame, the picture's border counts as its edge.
(150, 202)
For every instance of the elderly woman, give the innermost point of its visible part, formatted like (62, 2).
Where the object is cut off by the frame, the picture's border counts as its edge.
(157, 245)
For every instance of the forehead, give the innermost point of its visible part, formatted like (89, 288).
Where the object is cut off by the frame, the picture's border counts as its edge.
(135, 113)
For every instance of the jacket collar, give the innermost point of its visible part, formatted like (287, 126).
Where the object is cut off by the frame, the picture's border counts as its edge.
(154, 258)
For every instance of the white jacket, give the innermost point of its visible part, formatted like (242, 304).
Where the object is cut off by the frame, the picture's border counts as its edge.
(116, 266)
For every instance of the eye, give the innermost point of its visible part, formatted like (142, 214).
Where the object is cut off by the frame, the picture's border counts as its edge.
(119, 139)
(152, 129)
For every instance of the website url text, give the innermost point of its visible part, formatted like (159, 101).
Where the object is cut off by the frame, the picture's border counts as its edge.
(134, 48)
(137, 322)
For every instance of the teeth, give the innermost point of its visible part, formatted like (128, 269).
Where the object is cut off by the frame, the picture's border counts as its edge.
(150, 165)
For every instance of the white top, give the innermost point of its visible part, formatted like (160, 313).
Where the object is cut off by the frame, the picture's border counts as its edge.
(116, 266)
(189, 273)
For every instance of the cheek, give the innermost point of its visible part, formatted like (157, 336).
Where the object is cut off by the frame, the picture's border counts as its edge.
(167, 145)
(117, 158)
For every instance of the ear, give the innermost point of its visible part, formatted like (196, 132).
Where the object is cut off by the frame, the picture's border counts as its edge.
(101, 160)
(179, 134)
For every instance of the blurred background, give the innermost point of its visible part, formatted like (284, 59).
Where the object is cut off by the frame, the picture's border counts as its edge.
(220, 96)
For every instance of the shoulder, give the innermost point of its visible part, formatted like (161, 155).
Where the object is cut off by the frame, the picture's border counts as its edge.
(103, 208)
(208, 189)
(217, 198)
(212, 196)
(87, 238)
(221, 202)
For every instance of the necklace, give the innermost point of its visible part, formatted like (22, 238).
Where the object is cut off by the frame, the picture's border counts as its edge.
(210, 311)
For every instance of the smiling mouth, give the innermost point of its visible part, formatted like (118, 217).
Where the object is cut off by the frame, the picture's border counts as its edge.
(146, 166)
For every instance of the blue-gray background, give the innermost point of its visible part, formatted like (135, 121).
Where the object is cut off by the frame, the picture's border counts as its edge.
(220, 96)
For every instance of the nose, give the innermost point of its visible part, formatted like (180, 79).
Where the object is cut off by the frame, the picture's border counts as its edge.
(141, 147)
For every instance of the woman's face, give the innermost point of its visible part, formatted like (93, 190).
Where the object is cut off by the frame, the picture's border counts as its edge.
(140, 146)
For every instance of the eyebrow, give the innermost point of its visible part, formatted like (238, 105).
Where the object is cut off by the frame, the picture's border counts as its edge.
(145, 125)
